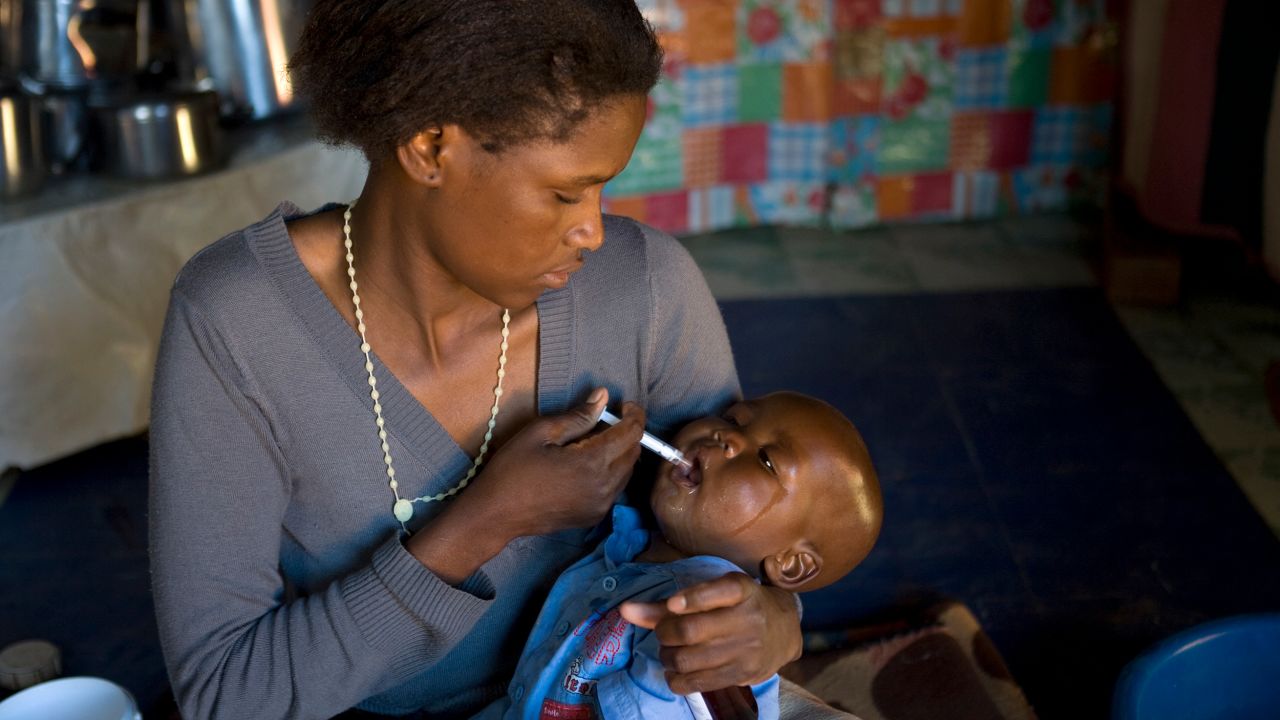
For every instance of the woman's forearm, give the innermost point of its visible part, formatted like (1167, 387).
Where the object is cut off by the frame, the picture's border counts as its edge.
(456, 543)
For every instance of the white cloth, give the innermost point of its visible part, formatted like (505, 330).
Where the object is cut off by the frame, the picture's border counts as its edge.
(83, 289)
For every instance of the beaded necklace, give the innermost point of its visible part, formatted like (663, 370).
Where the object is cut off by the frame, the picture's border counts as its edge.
(403, 507)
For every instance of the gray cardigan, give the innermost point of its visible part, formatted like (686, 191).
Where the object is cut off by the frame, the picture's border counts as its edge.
(281, 587)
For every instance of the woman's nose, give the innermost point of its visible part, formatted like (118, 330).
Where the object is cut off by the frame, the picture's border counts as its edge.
(587, 232)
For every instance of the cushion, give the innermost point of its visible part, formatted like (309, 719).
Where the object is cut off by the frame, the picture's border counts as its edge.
(937, 665)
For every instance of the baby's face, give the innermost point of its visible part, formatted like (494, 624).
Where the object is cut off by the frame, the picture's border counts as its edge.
(758, 471)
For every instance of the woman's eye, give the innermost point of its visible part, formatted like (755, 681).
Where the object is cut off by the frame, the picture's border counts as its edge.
(568, 200)
(766, 462)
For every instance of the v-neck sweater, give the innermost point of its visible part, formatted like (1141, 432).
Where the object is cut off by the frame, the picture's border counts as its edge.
(282, 586)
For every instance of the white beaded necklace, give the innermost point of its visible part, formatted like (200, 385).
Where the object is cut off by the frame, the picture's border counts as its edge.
(403, 508)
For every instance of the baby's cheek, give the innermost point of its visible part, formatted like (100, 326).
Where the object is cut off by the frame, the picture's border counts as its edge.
(739, 507)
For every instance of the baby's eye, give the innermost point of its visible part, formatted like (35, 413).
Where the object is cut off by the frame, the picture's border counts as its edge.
(568, 200)
(766, 462)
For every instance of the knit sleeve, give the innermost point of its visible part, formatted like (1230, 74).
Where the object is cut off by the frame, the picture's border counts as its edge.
(689, 361)
(234, 644)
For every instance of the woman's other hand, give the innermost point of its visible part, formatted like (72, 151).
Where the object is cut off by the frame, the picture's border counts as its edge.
(553, 475)
(720, 633)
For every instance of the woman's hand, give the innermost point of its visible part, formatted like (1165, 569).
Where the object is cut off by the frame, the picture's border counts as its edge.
(552, 475)
(724, 632)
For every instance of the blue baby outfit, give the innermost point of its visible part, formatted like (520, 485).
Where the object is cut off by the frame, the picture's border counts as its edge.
(583, 661)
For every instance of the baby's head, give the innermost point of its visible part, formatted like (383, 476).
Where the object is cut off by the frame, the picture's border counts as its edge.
(781, 485)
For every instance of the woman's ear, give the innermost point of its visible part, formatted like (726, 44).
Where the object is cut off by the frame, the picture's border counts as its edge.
(421, 157)
(793, 567)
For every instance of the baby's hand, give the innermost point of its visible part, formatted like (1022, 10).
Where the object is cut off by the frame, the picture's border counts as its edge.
(721, 633)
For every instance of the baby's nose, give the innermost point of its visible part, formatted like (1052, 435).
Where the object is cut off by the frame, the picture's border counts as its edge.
(731, 441)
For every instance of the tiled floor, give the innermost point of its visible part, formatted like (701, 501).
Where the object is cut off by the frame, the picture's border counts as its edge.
(1211, 350)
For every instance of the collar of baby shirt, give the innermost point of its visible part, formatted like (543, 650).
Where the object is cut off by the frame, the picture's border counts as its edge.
(628, 539)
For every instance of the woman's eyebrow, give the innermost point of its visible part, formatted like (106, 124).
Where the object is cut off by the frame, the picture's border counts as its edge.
(591, 179)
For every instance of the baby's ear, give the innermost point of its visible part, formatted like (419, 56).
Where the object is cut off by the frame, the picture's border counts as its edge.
(793, 567)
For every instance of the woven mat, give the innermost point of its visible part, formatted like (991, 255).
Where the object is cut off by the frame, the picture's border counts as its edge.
(937, 666)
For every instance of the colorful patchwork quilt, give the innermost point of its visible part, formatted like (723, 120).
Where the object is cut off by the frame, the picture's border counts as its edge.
(854, 112)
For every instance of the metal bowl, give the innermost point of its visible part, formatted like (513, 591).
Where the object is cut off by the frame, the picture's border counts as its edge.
(155, 137)
(22, 163)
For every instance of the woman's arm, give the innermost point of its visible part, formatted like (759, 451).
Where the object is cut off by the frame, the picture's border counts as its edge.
(219, 491)
(688, 361)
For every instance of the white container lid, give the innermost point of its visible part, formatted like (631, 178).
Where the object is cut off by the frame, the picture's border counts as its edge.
(26, 663)
(73, 698)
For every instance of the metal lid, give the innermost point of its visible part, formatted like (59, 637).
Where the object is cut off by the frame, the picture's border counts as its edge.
(29, 662)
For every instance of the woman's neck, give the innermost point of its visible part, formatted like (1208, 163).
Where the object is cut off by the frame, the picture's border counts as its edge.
(399, 275)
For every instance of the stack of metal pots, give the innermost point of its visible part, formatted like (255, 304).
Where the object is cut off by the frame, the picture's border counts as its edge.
(139, 89)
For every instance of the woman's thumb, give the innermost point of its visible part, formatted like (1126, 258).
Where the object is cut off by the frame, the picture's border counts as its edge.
(598, 399)
(580, 420)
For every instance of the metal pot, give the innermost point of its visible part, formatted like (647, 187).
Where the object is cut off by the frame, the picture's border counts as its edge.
(22, 165)
(158, 136)
(68, 43)
(241, 49)
(10, 37)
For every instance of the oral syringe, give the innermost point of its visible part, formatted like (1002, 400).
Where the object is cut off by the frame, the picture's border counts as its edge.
(668, 452)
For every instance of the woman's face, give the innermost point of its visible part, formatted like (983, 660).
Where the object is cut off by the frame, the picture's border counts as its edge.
(513, 225)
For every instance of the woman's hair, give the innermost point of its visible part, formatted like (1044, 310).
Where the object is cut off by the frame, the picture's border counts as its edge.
(377, 72)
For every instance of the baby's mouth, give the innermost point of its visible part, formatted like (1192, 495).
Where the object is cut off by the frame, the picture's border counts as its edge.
(689, 476)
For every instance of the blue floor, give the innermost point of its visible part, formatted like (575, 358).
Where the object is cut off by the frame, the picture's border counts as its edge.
(1033, 466)
(75, 572)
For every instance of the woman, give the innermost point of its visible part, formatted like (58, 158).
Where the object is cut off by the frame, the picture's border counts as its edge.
(325, 381)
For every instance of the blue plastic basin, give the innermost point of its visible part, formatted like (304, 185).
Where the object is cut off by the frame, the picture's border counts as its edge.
(1225, 669)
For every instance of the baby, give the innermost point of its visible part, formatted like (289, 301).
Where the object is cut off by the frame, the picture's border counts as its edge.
(780, 487)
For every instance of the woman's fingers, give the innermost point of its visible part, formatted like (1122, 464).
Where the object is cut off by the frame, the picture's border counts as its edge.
(559, 457)
(578, 421)
(711, 629)
(725, 591)
(709, 640)
(706, 680)
(644, 614)
(723, 632)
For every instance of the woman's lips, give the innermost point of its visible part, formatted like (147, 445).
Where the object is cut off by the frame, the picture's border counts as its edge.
(559, 277)
(555, 280)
